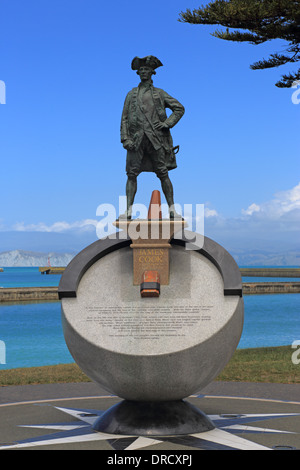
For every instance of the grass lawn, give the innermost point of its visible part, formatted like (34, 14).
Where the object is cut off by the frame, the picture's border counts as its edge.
(270, 365)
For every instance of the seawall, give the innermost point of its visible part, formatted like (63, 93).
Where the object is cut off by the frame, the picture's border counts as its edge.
(19, 294)
(22, 294)
(270, 272)
(246, 272)
(51, 270)
(271, 288)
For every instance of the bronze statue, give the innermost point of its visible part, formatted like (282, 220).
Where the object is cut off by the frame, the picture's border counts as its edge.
(145, 132)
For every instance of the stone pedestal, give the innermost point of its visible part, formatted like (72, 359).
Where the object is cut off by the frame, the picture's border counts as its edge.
(153, 419)
(150, 243)
(152, 350)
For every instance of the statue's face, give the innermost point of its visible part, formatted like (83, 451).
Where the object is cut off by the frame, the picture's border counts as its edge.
(145, 73)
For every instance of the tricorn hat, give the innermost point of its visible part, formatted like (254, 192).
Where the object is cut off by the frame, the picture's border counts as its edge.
(149, 61)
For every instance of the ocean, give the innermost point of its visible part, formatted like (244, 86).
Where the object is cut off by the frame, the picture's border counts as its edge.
(31, 333)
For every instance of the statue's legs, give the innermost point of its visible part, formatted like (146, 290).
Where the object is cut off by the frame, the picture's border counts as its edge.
(167, 188)
(159, 165)
(131, 188)
(133, 164)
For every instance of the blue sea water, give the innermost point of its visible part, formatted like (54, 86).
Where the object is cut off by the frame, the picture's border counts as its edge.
(27, 277)
(31, 333)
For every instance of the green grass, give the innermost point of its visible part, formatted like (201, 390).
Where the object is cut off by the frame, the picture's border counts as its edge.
(271, 365)
(62, 373)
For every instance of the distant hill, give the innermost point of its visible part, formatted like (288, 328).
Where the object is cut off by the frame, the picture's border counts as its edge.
(42, 242)
(19, 258)
(264, 258)
(33, 248)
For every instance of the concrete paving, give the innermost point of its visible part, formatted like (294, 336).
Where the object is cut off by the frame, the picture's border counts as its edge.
(247, 416)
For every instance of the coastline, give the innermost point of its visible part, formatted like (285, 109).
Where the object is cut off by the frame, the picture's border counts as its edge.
(259, 365)
(21, 294)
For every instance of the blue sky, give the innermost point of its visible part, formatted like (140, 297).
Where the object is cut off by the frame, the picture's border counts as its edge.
(66, 67)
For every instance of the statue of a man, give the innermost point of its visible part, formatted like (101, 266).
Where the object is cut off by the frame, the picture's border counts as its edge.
(145, 132)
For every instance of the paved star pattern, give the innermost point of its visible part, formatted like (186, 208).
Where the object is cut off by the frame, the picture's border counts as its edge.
(223, 437)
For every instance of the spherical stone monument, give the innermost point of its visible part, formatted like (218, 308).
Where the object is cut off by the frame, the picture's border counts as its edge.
(152, 352)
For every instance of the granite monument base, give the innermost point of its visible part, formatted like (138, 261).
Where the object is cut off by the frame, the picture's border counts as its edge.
(153, 419)
(152, 352)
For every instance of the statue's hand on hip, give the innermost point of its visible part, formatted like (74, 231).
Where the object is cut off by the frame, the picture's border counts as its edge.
(128, 144)
(158, 126)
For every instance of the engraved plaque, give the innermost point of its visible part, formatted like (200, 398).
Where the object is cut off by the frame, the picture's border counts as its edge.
(151, 259)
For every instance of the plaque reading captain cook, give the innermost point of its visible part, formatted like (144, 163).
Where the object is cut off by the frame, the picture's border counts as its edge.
(145, 132)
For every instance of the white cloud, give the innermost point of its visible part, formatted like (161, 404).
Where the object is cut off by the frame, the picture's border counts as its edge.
(251, 209)
(274, 223)
(285, 204)
(210, 212)
(288, 200)
(57, 227)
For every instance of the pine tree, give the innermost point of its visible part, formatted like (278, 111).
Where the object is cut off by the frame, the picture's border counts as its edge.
(256, 21)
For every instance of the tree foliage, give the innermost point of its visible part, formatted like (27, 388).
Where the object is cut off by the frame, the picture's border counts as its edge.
(255, 21)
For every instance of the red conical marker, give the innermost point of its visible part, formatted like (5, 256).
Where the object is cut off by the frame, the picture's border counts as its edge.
(154, 211)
